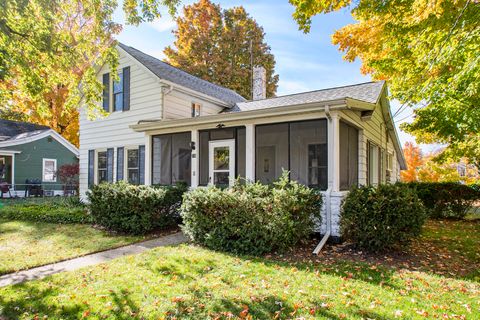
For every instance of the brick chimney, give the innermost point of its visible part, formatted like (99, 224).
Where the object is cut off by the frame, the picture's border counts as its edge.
(259, 87)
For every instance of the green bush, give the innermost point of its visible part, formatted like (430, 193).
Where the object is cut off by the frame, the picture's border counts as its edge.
(53, 210)
(134, 209)
(381, 218)
(251, 218)
(446, 199)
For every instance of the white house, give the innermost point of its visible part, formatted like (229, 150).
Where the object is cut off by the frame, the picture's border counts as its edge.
(165, 125)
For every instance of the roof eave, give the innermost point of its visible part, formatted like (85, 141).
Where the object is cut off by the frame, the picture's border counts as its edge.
(241, 115)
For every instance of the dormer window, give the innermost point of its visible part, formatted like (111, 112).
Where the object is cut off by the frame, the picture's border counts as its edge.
(195, 110)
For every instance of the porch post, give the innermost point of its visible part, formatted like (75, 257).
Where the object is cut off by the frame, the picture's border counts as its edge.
(148, 160)
(195, 162)
(250, 152)
(334, 152)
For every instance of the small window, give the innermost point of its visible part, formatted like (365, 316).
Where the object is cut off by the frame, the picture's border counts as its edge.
(49, 170)
(390, 161)
(102, 166)
(132, 166)
(195, 110)
(118, 93)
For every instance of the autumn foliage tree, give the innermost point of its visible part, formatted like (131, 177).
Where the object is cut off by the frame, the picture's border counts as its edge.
(215, 45)
(428, 52)
(413, 158)
(48, 53)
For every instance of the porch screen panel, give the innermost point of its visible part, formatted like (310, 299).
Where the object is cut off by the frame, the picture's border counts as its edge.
(241, 157)
(271, 151)
(348, 156)
(202, 154)
(161, 161)
(181, 158)
(91, 168)
(308, 153)
(171, 159)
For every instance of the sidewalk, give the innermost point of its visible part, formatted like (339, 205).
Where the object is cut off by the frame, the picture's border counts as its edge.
(89, 260)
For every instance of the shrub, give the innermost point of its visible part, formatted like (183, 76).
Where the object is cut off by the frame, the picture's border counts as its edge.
(381, 218)
(446, 199)
(251, 218)
(52, 210)
(134, 209)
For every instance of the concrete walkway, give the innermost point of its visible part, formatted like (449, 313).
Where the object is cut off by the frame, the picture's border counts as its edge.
(91, 259)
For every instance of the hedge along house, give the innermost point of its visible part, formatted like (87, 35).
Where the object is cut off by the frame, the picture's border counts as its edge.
(33, 152)
(165, 126)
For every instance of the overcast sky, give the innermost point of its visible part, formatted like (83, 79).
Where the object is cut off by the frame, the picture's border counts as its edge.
(305, 62)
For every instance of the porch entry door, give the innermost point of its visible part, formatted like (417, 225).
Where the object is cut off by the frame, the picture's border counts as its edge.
(221, 162)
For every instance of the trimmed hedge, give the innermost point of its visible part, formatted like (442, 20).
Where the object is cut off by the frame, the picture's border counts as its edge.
(251, 218)
(134, 209)
(383, 217)
(63, 211)
(446, 199)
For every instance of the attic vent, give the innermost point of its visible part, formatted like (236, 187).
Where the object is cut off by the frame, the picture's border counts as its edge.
(367, 115)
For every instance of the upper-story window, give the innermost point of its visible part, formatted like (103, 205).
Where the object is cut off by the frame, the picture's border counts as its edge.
(196, 110)
(118, 93)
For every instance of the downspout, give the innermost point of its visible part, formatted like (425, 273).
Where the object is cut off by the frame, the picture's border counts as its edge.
(328, 211)
(166, 89)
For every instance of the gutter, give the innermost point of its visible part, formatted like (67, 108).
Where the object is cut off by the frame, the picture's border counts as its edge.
(328, 206)
(328, 218)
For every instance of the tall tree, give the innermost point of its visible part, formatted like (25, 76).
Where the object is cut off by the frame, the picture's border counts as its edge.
(217, 45)
(428, 51)
(48, 48)
(413, 158)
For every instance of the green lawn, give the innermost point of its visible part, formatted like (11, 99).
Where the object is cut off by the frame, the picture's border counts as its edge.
(25, 244)
(189, 282)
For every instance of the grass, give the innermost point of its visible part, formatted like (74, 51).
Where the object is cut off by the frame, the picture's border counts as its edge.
(25, 244)
(189, 282)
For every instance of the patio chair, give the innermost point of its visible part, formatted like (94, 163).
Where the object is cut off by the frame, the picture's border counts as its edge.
(4, 188)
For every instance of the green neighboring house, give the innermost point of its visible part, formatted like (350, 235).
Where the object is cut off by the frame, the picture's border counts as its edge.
(30, 155)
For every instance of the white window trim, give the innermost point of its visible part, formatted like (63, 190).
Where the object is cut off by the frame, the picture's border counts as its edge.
(43, 170)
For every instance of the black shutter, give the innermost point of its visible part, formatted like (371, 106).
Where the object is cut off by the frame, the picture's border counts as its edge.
(91, 168)
(110, 165)
(120, 156)
(126, 88)
(106, 92)
(141, 164)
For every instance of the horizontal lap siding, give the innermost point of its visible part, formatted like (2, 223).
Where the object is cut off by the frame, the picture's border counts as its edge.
(179, 105)
(113, 130)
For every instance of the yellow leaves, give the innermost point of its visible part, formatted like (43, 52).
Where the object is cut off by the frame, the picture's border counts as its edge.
(244, 313)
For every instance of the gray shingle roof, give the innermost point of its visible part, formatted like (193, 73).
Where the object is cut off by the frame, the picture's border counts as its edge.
(170, 73)
(9, 128)
(367, 92)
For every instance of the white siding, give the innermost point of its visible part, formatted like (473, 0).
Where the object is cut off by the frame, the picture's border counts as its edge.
(146, 98)
(179, 105)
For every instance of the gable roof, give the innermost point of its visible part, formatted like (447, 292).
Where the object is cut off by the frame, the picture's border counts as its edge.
(170, 73)
(369, 92)
(10, 128)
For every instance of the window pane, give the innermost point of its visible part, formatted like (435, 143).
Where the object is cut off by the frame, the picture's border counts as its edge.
(133, 177)
(118, 102)
(102, 160)
(118, 85)
(132, 156)
(102, 175)
(221, 178)
(202, 154)
(221, 158)
(172, 159)
(373, 164)
(308, 153)
(181, 158)
(271, 151)
(240, 157)
(162, 159)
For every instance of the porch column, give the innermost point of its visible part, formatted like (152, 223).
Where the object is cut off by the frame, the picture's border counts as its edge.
(195, 162)
(250, 152)
(148, 160)
(334, 152)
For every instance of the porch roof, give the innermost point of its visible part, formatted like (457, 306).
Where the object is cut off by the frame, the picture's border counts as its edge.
(8, 152)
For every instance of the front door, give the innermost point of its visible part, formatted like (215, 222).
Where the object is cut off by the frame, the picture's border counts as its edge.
(221, 162)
